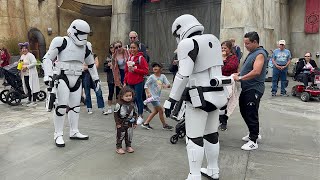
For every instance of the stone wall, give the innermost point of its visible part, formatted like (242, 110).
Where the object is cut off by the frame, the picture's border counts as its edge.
(301, 42)
(18, 17)
(239, 17)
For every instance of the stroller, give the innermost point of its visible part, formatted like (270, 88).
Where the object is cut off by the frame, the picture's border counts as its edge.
(178, 114)
(14, 95)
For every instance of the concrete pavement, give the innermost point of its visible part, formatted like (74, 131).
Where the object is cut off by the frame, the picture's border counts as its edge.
(290, 146)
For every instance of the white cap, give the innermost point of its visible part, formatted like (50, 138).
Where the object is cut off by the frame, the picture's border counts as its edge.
(282, 42)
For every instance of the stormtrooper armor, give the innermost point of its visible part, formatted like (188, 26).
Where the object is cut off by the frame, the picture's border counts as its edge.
(64, 77)
(200, 83)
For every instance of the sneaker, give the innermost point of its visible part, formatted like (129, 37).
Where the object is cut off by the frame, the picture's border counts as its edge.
(247, 138)
(250, 145)
(32, 104)
(130, 150)
(146, 108)
(90, 111)
(223, 127)
(167, 127)
(273, 94)
(104, 112)
(109, 111)
(140, 120)
(284, 95)
(146, 126)
(120, 151)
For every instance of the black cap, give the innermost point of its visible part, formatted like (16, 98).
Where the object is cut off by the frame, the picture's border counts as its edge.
(154, 64)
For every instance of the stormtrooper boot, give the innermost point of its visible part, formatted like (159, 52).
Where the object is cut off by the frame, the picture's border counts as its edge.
(59, 141)
(212, 155)
(58, 134)
(195, 157)
(74, 131)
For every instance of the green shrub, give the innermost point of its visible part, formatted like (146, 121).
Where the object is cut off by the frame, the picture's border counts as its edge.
(12, 45)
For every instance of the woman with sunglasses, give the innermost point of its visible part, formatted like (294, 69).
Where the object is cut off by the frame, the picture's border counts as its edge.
(304, 66)
(108, 68)
(120, 57)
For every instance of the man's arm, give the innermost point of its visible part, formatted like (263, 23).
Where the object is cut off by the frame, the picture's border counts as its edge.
(257, 69)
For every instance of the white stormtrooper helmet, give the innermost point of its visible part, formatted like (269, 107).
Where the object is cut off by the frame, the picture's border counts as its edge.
(184, 26)
(78, 32)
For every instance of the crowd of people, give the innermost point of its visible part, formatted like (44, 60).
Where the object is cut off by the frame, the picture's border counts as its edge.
(127, 70)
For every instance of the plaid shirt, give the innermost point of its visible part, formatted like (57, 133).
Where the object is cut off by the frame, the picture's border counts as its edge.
(230, 65)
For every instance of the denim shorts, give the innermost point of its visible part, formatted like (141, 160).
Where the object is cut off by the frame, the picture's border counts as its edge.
(155, 103)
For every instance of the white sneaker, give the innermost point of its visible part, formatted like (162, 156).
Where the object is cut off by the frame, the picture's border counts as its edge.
(109, 111)
(250, 145)
(140, 120)
(32, 104)
(246, 138)
(90, 111)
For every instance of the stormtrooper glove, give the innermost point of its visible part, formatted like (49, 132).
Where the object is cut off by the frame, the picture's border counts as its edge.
(168, 106)
(97, 85)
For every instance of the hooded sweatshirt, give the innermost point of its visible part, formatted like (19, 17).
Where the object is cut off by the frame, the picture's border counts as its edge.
(141, 70)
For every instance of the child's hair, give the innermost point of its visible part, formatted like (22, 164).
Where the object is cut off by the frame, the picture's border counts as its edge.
(124, 90)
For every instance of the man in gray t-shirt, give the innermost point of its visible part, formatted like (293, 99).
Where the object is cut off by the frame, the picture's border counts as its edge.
(252, 76)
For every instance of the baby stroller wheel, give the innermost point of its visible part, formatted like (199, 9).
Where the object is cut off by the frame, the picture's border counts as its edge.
(3, 95)
(181, 134)
(41, 96)
(13, 98)
(174, 139)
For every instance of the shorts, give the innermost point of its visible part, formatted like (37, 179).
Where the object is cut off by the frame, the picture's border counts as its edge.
(155, 103)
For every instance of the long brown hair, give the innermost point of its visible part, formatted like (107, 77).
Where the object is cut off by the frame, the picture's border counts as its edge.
(229, 45)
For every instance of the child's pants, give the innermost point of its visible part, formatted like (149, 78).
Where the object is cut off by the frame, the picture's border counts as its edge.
(124, 132)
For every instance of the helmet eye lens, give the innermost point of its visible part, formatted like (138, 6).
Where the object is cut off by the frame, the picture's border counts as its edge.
(79, 32)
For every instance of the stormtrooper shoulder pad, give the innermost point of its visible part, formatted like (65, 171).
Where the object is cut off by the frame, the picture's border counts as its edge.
(58, 42)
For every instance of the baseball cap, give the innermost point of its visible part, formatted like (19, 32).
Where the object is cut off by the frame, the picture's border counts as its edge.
(282, 42)
(154, 64)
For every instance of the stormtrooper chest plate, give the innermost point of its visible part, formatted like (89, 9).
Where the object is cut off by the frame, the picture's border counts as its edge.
(72, 52)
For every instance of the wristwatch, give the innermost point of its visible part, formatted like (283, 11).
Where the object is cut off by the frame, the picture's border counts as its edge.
(240, 77)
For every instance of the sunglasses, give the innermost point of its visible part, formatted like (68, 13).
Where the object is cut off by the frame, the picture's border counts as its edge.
(306, 56)
(117, 47)
(132, 37)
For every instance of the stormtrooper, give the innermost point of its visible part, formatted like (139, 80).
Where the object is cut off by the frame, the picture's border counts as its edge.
(199, 82)
(64, 77)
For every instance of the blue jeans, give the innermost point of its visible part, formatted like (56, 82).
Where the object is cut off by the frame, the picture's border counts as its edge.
(279, 75)
(138, 89)
(122, 74)
(88, 84)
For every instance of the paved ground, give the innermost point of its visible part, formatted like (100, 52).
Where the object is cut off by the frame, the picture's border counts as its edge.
(290, 148)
